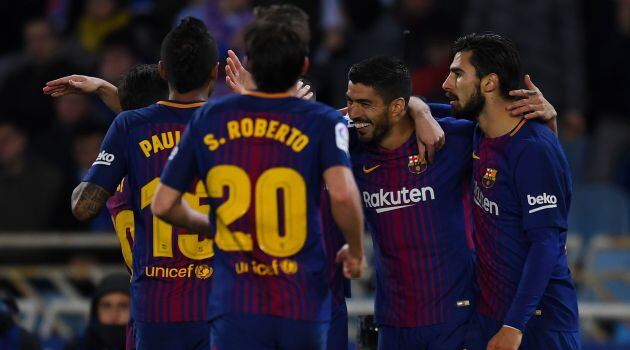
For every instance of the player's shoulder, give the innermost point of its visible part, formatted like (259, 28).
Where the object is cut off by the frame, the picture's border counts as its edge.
(535, 141)
(456, 126)
(315, 109)
(131, 118)
(535, 135)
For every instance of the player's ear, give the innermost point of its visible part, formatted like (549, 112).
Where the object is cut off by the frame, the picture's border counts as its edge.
(214, 73)
(490, 83)
(305, 65)
(397, 108)
(246, 63)
(162, 70)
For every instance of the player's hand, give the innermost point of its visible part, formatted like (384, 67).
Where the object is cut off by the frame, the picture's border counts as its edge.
(353, 265)
(429, 134)
(237, 77)
(506, 339)
(532, 103)
(73, 84)
(303, 91)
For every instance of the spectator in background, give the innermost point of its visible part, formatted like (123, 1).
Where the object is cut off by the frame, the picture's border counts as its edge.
(12, 336)
(609, 80)
(43, 60)
(101, 17)
(548, 35)
(226, 20)
(117, 56)
(87, 143)
(109, 315)
(369, 29)
(432, 26)
(29, 185)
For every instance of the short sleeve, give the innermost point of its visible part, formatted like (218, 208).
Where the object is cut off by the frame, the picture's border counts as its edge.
(110, 165)
(335, 142)
(542, 187)
(180, 170)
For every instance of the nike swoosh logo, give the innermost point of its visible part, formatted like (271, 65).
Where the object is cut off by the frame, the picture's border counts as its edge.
(382, 210)
(367, 171)
(475, 156)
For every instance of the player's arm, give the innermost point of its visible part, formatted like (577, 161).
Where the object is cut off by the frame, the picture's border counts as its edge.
(346, 209)
(533, 105)
(541, 188)
(429, 135)
(101, 180)
(87, 200)
(169, 205)
(178, 176)
(77, 84)
(345, 203)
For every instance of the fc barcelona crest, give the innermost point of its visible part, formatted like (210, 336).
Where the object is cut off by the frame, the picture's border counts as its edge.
(489, 178)
(416, 166)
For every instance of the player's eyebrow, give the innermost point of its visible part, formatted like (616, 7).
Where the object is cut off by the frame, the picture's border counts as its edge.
(456, 70)
(359, 100)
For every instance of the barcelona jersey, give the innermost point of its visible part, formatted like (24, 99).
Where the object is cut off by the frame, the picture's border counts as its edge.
(419, 218)
(262, 159)
(521, 183)
(170, 267)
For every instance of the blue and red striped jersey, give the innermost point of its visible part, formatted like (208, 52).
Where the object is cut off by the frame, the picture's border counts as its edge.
(333, 241)
(171, 267)
(521, 182)
(418, 221)
(262, 158)
(119, 207)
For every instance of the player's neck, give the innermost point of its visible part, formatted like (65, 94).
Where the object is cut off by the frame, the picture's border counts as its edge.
(190, 96)
(494, 120)
(399, 133)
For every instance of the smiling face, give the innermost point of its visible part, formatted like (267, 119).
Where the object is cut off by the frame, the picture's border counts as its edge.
(368, 112)
(462, 87)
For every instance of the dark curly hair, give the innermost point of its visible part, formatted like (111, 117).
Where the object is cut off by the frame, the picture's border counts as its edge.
(189, 53)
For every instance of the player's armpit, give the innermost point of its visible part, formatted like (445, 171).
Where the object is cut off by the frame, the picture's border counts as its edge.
(87, 200)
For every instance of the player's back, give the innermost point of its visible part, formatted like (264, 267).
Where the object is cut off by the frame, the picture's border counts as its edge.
(170, 267)
(522, 182)
(263, 157)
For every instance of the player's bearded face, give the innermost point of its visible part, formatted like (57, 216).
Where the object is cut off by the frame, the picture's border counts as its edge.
(467, 107)
(376, 131)
(368, 112)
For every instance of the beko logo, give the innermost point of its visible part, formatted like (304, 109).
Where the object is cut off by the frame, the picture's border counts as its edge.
(545, 201)
(104, 158)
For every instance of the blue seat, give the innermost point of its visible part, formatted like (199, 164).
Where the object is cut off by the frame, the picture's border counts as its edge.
(607, 269)
(599, 208)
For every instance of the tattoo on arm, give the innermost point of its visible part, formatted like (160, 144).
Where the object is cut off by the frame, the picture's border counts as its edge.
(87, 200)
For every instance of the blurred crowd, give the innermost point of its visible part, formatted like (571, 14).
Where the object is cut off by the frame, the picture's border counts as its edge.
(574, 50)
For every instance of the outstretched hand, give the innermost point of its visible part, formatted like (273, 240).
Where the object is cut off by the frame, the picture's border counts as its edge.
(237, 77)
(73, 84)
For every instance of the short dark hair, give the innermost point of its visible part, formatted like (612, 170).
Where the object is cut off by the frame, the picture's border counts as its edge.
(492, 53)
(286, 13)
(189, 53)
(142, 86)
(388, 75)
(276, 52)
